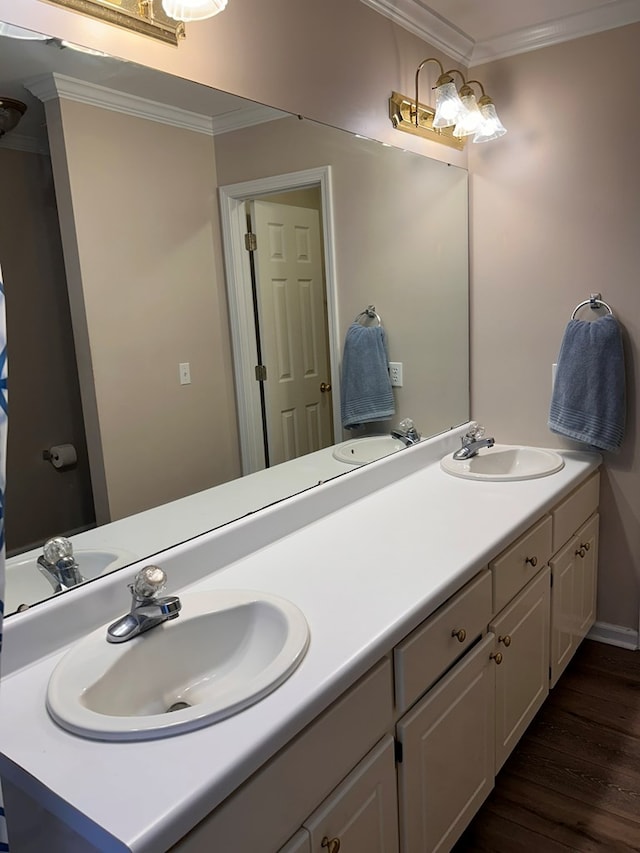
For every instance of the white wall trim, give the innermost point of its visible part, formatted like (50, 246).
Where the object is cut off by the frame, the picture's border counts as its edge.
(416, 17)
(614, 635)
(47, 87)
(616, 14)
(238, 275)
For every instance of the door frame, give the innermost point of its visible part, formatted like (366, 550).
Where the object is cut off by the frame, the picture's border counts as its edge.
(239, 294)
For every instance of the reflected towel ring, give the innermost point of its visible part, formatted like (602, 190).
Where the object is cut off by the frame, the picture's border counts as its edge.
(369, 313)
(594, 302)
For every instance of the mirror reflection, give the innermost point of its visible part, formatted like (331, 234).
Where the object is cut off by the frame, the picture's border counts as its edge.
(139, 323)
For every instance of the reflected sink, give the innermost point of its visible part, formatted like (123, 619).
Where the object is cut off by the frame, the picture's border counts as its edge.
(358, 451)
(505, 462)
(227, 650)
(25, 584)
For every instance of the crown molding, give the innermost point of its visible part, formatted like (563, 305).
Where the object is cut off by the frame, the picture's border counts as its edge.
(47, 87)
(50, 86)
(416, 17)
(616, 14)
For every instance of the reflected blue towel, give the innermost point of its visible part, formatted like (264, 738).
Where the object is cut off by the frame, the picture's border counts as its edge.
(366, 393)
(588, 399)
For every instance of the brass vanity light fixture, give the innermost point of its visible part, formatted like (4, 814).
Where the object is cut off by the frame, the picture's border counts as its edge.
(11, 111)
(457, 114)
(160, 19)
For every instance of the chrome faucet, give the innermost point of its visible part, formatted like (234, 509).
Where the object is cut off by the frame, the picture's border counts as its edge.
(58, 565)
(472, 441)
(406, 432)
(147, 608)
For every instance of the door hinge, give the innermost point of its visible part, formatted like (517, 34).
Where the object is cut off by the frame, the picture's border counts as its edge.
(397, 746)
(250, 242)
(261, 372)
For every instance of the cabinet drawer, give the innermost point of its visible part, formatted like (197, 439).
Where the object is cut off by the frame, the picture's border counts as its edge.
(285, 791)
(574, 510)
(516, 566)
(432, 647)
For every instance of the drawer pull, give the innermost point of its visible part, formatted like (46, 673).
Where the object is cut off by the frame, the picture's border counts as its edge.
(532, 560)
(506, 640)
(580, 552)
(497, 657)
(460, 635)
(332, 845)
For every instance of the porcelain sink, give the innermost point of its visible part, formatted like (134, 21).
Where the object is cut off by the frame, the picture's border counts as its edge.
(227, 650)
(358, 451)
(505, 462)
(25, 584)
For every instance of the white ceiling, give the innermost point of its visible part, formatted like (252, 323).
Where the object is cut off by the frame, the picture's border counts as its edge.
(474, 31)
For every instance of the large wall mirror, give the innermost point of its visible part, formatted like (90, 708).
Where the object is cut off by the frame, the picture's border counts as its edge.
(137, 317)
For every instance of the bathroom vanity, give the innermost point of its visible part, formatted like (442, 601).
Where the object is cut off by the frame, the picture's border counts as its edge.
(441, 612)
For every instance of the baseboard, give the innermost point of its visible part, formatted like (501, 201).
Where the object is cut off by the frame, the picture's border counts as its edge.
(614, 635)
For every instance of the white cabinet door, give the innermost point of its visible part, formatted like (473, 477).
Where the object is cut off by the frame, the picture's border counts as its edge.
(447, 767)
(361, 815)
(586, 577)
(522, 677)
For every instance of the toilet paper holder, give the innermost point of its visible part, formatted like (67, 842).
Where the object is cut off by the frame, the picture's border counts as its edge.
(61, 456)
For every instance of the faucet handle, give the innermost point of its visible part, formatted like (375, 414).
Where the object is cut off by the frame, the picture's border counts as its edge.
(148, 582)
(56, 548)
(475, 431)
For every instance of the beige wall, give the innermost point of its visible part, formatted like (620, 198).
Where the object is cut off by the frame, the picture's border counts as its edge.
(400, 232)
(141, 237)
(555, 216)
(43, 382)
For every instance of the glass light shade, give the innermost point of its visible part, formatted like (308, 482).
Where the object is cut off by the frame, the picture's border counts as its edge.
(448, 105)
(193, 10)
(471, 119)
(491, 127)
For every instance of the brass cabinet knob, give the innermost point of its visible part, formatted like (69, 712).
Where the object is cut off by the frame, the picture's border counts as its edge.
(325, 387)
(497, 657)
(332, 845)
(532, 560)
(460, 634)
(586, 546)
(580, 552)
(506, 640)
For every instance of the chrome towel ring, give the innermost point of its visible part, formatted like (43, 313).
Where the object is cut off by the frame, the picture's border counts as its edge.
(595, 301)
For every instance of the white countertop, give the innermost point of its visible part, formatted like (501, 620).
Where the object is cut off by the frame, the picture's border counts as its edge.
(364, 575)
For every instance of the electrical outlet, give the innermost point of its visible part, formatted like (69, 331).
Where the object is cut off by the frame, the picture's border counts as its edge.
(395, 373)
(184, 371)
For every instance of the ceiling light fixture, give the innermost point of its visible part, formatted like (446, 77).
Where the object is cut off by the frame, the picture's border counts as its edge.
(456, 115)
(11, 111)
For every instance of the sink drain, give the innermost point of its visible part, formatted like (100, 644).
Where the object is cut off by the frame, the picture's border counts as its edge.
(178, 706)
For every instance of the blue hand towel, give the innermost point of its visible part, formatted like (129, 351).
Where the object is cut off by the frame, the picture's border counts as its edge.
(588, 399)
(366, 393)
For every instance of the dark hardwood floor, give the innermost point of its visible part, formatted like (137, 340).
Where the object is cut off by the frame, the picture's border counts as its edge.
(573, 781)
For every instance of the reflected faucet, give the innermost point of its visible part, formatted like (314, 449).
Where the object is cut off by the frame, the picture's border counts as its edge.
(147, 609)
(406, 432)
(472, 441)
(58, 565)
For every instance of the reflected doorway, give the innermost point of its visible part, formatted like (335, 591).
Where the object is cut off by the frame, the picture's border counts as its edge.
(283, 311)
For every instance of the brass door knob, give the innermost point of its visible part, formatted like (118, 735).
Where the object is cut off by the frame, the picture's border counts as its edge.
(332, 845)
(532, 560)
(460, 634)
(325, 387)
(497, 657)
(506, 639)
(580, 552)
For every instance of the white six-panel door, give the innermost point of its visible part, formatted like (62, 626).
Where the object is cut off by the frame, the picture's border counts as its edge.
(293, 329)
